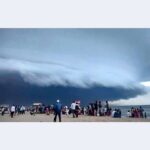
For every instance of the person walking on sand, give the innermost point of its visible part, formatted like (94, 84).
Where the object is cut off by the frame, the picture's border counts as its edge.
(3, 111)
(73, 107)
(57, 110)
(77, 110)
(12, 111)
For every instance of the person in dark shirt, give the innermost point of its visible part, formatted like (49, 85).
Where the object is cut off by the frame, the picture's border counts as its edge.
(145, 115)
(97, 108)
(141, 112)
(77, 110)
(100, 107)
(57, 110)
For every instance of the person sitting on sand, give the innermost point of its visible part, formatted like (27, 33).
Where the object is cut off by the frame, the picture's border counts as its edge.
(57, 110)
(113, 113)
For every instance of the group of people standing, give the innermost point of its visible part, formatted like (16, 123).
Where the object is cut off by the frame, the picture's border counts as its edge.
(74, 110)
(137, 113)
(97, 109)
(15, 110)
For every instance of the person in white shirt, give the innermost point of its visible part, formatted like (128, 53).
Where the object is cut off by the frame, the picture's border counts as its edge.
(66, 110)
(73, 107)
(84, 110)
(129, 113)
(22, 109)
(113, 113)
(12, 111)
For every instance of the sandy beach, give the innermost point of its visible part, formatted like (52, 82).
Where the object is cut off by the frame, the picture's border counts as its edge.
(49, 118)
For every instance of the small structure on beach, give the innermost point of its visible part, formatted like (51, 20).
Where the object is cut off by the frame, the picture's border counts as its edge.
(37, 104)
(6, 107)
(38, 107)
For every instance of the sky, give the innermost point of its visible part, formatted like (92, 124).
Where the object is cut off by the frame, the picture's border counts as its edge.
(67, 64)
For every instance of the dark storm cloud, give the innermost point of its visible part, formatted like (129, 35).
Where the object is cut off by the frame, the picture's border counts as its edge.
(83, 59)
(15, 90)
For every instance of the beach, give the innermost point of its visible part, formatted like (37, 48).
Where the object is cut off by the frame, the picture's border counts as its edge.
(49, 118)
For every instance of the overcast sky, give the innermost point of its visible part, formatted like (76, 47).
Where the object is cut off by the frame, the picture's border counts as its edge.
(77, 58)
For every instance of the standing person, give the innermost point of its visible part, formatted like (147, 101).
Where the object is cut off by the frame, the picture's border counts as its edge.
(93, 109)
(84, 111)
(97, 108)
(145, 115)
(141, 112)
(90, 109)
(77, 110)
(12, 111)
(107, 107)
(21, 110)
(57, 110)
(73, 107)
(100, 107)
(105, 111)
(119, 113)
(47, 111)
(3, 111)
(18, 110)
(66, 110)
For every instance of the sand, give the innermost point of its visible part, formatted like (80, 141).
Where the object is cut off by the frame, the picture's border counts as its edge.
(49, 118)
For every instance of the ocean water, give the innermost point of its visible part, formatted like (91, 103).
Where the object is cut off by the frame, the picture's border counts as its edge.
(124, 109)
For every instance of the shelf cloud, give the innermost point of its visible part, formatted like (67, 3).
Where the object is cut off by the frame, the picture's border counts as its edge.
(77, 58)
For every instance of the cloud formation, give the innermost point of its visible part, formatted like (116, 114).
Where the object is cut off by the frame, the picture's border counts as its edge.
(81, 58)
(76, 57)
(15, 90)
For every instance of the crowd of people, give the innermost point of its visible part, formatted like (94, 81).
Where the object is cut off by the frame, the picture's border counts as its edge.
(17, 110)
(41, 109)
(97, 109)
(92, 109)
(137, 113)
